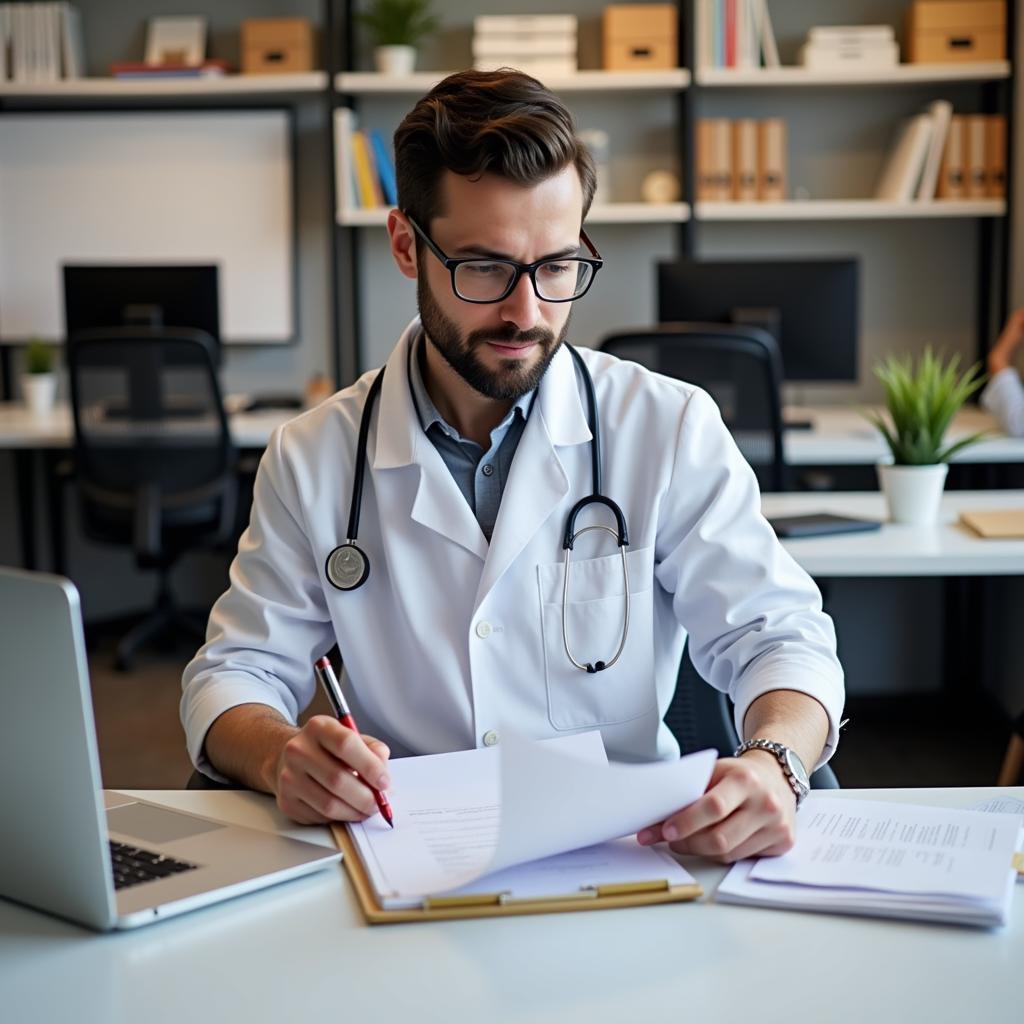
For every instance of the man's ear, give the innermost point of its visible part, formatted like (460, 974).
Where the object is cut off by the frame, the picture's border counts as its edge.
(403, 243)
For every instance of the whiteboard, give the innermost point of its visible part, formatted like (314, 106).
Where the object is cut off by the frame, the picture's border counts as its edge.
(149, 187)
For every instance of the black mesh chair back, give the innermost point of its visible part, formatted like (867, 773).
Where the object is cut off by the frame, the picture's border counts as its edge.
(151, 434)
(739, 366)
(154, 461)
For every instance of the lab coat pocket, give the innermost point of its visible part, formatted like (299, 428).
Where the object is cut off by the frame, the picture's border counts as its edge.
(593, 621)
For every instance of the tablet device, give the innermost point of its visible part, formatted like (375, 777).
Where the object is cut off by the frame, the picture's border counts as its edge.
(818, 524)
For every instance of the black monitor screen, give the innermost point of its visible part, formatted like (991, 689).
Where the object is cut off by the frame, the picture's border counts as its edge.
(97, 296)
(810, 306)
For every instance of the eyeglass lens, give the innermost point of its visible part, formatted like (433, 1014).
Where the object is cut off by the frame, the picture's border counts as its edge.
(557, 280)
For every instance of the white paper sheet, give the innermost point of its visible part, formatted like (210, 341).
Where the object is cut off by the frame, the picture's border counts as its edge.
(464, 815)
(894, 847)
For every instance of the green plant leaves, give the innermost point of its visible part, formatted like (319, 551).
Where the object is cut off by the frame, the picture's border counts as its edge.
(921, 401)
(399, 22)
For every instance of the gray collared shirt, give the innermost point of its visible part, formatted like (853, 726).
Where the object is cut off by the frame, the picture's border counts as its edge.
(479, 473)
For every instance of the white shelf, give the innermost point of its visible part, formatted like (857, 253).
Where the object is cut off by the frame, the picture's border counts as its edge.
(368, 82)
(849, 209)
(902, 74)
(600, 213)
(212, 86)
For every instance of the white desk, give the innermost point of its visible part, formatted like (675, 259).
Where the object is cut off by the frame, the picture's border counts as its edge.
(301, 952)
(946, 549)
(840, 436)
(19, 429)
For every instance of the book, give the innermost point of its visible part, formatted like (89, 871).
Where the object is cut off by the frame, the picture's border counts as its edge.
(526, 44)
(995, 156)
(517, 23)
(828, 57)
(941, 112)
(769, 46)
(885, 859)
(345, 192)
(722, 159)
(525, 848)
(536, 66)
(976, 165)
(744, 158)
(851, 34)
(139, 69)
(951, 173)
(364, 171)
(385, 168)
(1002, 524)
(707, 188)
(72, 42)
(902, 172)
(771, 160)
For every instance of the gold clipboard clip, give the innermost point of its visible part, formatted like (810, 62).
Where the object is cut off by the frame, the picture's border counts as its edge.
(1018, 862)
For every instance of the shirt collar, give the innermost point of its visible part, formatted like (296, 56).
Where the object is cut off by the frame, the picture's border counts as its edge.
(426, 410)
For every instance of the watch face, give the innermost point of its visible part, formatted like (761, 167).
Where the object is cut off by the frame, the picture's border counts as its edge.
(796, 766)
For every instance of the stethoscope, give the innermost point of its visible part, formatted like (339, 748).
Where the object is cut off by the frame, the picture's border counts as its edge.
(348, 567)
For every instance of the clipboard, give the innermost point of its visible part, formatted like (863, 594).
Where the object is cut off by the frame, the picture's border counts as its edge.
(448, 908)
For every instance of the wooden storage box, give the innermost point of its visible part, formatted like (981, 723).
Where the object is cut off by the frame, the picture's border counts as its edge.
(640, 37)
(276, 45)
(949, 31)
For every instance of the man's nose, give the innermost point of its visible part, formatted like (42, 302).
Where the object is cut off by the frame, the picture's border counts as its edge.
(521, 306)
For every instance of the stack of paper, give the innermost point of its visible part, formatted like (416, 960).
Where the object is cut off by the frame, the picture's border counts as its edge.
(524, 820)
(844, 47)
(889, 860)
(539, 44)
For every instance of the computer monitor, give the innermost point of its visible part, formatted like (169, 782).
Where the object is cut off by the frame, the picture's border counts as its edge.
(809, 306)
(103, 295)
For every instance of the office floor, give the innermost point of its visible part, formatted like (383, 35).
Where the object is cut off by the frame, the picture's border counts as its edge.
(893, 741)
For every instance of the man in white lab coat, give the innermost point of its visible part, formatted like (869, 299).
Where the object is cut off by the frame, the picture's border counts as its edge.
(479, 446)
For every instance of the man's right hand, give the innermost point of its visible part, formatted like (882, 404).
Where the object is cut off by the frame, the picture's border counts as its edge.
(315, 780)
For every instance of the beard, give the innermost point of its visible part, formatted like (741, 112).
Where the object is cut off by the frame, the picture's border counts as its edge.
(511, 380)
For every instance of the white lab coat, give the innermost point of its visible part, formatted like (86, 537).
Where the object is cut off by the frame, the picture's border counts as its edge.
(451, 638)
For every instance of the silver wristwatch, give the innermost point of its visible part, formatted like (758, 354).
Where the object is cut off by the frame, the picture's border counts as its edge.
(792, 767)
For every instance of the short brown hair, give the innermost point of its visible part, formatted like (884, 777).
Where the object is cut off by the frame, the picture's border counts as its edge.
(474, 122)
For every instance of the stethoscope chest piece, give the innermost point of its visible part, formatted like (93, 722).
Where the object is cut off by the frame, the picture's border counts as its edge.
(347, 567)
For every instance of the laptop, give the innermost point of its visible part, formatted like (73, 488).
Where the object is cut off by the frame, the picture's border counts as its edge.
(104, 860)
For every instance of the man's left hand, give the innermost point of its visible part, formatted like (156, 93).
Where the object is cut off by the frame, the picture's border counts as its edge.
(748, 810)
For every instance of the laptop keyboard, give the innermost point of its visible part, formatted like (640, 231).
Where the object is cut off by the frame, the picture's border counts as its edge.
(133, 866)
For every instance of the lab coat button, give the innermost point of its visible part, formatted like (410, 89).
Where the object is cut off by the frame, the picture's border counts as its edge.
(483, 629)
(487, 470)
(490, 738)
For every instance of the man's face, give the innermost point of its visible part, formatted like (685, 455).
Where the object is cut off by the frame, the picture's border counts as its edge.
(500, 349)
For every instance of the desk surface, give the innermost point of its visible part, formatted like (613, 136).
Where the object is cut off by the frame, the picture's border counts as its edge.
(946, 549)
(840, 435)
(301, 949)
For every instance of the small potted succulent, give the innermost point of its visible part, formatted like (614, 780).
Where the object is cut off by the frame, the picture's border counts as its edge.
(39, 381)
(921, 401)
(397, 27)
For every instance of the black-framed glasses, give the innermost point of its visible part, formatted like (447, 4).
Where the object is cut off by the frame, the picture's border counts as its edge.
(478, 279)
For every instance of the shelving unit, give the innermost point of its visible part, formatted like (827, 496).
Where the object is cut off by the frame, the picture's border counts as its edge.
(212, 87)
(600, 213)
(365, 83)
(848, 209)
(903, 74)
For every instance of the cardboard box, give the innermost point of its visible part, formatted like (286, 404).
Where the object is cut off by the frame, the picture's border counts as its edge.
(952, 31)
(640, 37)
(276, 45)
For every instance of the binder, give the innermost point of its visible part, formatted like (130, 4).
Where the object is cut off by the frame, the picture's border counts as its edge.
(771, 160)
(940, 112)
(707, 186)
(447, 908)
(995, 156)
(951, 174)
(722, 158)
(744, 152)
(976, 178)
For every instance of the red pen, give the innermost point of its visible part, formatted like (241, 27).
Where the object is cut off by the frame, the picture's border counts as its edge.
(329, 681)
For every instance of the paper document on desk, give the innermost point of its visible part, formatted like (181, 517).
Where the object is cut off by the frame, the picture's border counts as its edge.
(556, 806)
(891, 859)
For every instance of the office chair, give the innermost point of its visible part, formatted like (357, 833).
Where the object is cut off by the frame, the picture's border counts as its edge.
(738, 365)
(701, 716)
(154, 460)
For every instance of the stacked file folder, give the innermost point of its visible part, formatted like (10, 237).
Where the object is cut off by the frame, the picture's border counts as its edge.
(843, 47)
(539, 44)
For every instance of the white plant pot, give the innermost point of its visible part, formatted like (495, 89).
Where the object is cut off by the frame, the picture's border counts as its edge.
(395, 60)
(913, 493)
(39, 391)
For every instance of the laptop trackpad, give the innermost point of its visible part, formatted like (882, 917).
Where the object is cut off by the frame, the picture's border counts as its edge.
(156, 825)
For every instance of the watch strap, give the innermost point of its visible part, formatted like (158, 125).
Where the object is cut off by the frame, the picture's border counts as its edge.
(780, 751)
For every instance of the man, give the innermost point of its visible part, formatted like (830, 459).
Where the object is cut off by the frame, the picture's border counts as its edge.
(478, 449)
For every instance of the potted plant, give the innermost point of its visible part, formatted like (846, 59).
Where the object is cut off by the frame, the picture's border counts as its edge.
(39, 381)
(921, 401)
(397, 27)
